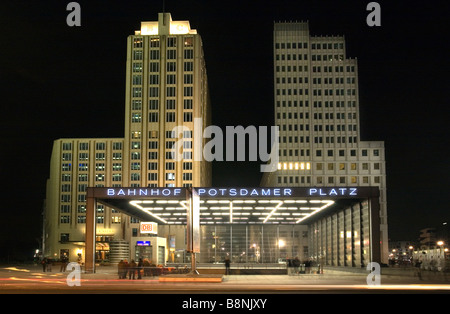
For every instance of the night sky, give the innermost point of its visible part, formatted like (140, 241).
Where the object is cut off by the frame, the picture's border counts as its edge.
(58, 81)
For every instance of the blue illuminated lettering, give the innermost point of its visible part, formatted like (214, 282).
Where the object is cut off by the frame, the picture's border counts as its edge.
(333, 192)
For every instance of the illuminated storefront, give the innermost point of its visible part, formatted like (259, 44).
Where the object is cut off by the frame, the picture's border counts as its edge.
(336, 226)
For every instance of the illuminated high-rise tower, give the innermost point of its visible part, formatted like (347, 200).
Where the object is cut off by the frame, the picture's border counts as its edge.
(166, 86)
(317, 109)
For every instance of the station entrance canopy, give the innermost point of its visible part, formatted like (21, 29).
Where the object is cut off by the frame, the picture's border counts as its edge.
(231, 205)
(284, 205)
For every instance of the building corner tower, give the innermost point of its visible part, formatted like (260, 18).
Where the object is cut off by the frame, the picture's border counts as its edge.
(166, 87)
(317, 110)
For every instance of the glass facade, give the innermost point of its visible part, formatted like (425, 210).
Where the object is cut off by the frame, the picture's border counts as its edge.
(342, 238)
(252, 243)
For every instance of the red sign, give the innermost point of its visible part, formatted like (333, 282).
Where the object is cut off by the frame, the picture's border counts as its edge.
(149, 227)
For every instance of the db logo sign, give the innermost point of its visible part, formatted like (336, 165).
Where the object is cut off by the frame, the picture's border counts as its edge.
(149, 227)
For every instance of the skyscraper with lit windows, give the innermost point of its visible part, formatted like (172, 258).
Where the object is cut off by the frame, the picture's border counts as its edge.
(317, 110)
(166, 86)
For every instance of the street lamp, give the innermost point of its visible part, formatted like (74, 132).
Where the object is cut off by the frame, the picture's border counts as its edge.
(411, 254)
(441, 246)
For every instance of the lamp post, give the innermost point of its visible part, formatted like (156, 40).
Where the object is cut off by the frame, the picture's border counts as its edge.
(441, 253)
(441, 245)
(411, 252)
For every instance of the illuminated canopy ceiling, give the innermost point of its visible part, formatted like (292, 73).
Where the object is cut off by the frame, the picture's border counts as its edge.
(231, 205)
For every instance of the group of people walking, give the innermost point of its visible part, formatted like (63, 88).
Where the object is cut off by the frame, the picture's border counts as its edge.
(295, 266)
(135, 270)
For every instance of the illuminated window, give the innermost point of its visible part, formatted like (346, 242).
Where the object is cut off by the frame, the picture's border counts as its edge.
(136, 118)
(137, 67)
(136, 134)
(188, 41)
(99, 177)
(136, 104)
(137, 42)
(154, 42)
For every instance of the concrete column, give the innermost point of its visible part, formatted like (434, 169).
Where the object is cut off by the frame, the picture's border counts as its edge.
(374, 214)
(91, 207)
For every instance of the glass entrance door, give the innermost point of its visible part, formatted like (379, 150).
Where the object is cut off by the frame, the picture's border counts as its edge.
(144, 252)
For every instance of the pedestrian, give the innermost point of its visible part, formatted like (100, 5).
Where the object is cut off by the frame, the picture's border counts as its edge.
(44, 264)
(308, 266)
(227, 266)
(49, 265)
(146, 268)
(126, 266)
(417, 266)
(290, 265)
(120, 268)
(140, 267)
(132, 270)
(296, 264)
(64, 262)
